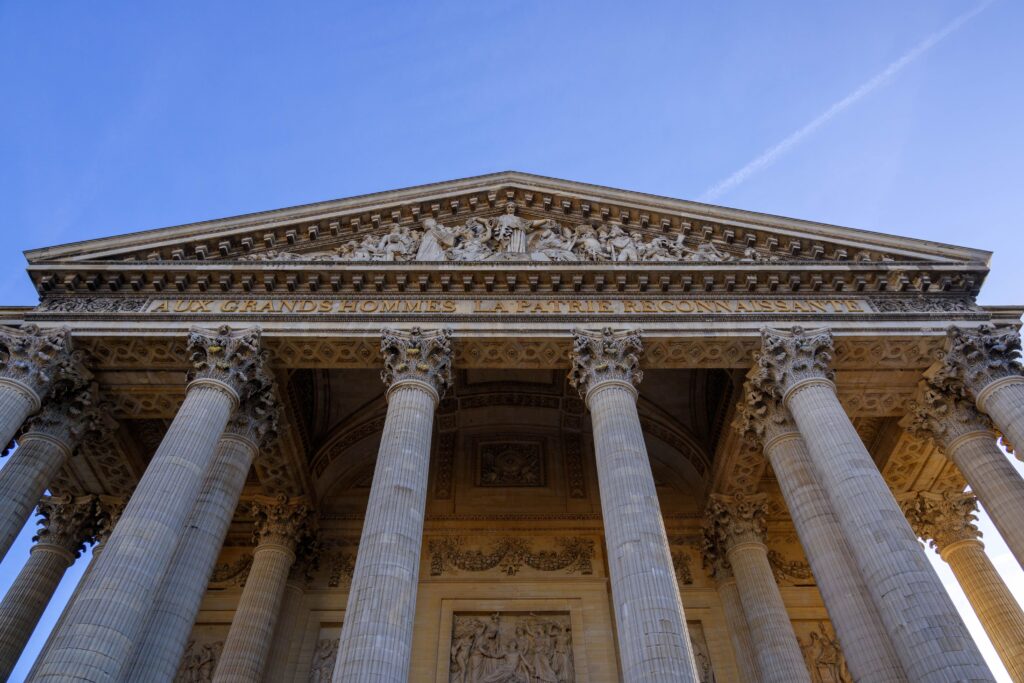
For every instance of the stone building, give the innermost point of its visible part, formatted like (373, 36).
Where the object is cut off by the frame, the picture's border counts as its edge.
(510, 428)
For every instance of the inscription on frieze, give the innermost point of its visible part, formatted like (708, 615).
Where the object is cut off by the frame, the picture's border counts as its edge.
(502, 307)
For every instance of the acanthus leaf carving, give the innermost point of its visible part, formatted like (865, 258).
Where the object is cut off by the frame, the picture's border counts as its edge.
(604, 356)
(789, 357)
(35, 357)
(233, 357)
(942, 519)
(944, 416)
(973, 359)
(416, 355)
(510, 555)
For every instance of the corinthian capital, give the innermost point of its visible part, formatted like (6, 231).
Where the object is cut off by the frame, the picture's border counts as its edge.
(73, 416)
(973, 359)
(731, 520)
(943, 416)
(761, 418)
(280, 522)
(424, 357)
(68, 523)
(942, 519)
(108, 512)
(33, 357)
(788, 358)
(233, 358)
(605, 356)
(256, 417)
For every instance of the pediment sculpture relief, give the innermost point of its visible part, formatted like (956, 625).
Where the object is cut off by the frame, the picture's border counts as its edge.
(509, 237)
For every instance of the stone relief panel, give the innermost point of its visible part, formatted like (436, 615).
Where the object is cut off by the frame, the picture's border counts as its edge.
(511, 647)
(825, 660)
(326, 652)
(510, 464)
(199, 662)
(510, 555)
(701, 655)
(510, 237)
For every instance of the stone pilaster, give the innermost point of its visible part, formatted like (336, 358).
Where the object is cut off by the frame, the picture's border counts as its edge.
(280, 527)
(376, 637)
(736, 525)
(717, 566)
(946, 521)
(926, 631)
(30, 360)
(762, 419)
(106, 620)
(67, 525)
(985, 364)
(50, 437)
(252, 427)
(966, 436)
(654, 644)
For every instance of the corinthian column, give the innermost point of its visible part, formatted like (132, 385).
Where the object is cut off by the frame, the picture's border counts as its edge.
(926, 631)
(252, 427)
(68, 418)
(376, 637)
(654, 645)
(29, 360)
(965, 435)
(736, 525)
(947, 522)
(735, 620)
(106, 620)
(280, 528)
(67, 525)
(986, 364)
(869, 653)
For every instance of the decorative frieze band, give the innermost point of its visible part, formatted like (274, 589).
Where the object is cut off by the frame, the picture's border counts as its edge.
(510, 555)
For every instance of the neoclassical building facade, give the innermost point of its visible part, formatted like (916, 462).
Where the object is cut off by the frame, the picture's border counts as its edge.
(510, 428)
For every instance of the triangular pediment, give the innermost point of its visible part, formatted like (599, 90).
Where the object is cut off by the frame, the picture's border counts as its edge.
(508, 216)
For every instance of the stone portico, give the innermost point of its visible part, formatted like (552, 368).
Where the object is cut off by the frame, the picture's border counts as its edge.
(510, 428)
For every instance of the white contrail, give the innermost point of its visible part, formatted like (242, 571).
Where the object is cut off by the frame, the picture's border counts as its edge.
(773, 153)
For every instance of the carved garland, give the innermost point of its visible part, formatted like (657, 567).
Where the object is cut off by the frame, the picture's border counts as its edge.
(510, 555)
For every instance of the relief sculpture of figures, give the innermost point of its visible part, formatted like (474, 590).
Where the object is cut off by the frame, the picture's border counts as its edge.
(510, 237)
(199, 662)
(825, 660)
(515, 648)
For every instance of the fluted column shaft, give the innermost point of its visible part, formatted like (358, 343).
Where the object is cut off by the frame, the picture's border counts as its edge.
(281, 665)
(653, 640)
(929, 637)
(735, 526)
(252, 628)
(997, 484)
(998, 611)
(17, 402)
(27, 598)
(867, 648)
(739, 630)
(159, 651)
(105, 621)
(1003, 400)
(376, 638)
(24, 479)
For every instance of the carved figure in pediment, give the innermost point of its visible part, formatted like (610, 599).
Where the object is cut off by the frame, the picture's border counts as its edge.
(512, 231)
(472, 242)
(707, 251)
(553, 244)
(397, 245)
(435, 241)
(589, 244)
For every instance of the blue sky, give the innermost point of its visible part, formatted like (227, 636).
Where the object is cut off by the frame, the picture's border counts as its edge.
(126, 116)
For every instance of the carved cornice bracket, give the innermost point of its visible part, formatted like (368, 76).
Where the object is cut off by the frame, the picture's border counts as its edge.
(418, 356)
(605, 356)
